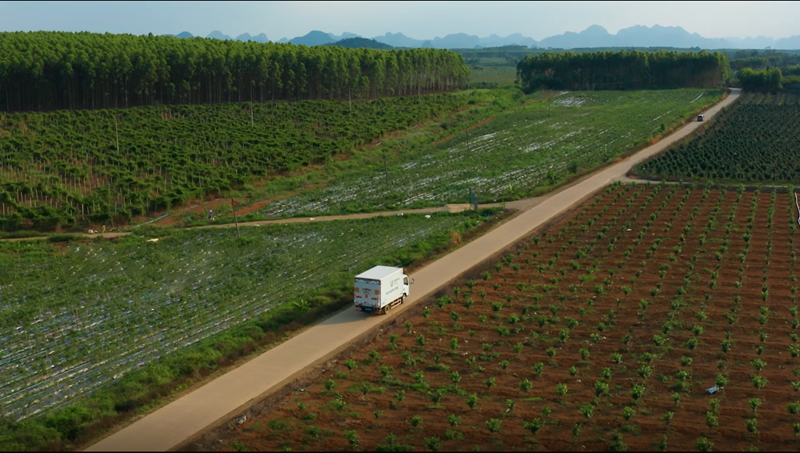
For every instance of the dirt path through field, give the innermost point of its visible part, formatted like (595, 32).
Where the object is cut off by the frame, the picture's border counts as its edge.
(172, 425)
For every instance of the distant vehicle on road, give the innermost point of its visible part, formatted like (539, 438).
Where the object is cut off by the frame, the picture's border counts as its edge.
(380, 288)
(700, 117)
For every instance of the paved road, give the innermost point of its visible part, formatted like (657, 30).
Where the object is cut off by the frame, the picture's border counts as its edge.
(182, 419)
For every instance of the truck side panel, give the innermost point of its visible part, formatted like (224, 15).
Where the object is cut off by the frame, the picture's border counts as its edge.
(392, 288)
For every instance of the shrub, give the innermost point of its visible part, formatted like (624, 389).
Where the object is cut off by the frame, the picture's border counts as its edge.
(793, 408)
(637, 391)
(352, 438)
(703, 444)
(472, 401)
(758, 364)
(493, 425)
(392, 445)
(415, 421)
(751, 423)
(525, 385)
(628, 412)
(538, 367)
(586, 410)
(754, 404)
(433, 443)
(561, 389)
(534, 426)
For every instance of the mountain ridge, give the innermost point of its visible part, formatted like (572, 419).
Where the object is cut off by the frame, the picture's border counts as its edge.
(592, 36)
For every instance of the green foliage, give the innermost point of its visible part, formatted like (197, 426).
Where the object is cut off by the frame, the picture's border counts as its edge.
(493, 425)
(472, 401)
(165, 299)
(392, 445)
(131, 70)
(146, 160)
(352, 438)
(727, 150)
(631, 70)
(703, 444)
(763, 80)
(628, 412)
(534, 426)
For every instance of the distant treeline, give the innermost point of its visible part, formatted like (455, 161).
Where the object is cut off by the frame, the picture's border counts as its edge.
(42, 71)
(623, 70)
(756, 60)
(764, 80)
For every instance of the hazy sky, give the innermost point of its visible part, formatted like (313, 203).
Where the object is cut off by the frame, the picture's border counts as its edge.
(421, 20)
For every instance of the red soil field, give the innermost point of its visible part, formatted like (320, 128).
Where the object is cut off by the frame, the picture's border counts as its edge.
(664, 289)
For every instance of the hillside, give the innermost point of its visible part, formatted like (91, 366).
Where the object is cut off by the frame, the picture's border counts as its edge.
(360, 43)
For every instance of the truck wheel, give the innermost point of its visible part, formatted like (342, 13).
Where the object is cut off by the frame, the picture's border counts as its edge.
(402, 300)
(383, 311)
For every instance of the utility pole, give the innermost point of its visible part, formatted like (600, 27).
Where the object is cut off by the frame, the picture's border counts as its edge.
(233, 205)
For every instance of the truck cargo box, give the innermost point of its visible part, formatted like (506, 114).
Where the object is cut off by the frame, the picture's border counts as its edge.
(380, 288)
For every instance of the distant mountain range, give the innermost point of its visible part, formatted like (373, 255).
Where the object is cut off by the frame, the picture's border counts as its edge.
(594, 36)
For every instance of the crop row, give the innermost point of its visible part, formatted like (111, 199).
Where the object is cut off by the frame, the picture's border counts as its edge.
(61, 166)
(755, 141)
(73, 322)
(509, 157)
(609, 325)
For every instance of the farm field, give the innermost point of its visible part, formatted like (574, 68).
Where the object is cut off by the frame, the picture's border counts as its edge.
(601, 332)
(519, 153)
(76, 318)
(66, 166)
(756, 141)
(500, 75)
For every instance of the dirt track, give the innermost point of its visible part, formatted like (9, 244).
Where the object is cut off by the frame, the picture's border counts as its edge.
(171, 425)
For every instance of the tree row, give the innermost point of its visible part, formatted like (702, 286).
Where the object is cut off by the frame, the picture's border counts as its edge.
(623, 70)
(42, 71)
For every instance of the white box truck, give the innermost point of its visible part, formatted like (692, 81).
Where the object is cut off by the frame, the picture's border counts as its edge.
(380, 288)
